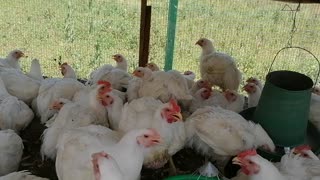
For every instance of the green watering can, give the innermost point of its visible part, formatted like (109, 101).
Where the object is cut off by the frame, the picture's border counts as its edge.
(283, 108)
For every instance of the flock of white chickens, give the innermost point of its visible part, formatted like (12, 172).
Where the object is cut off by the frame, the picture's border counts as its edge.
(117, 122)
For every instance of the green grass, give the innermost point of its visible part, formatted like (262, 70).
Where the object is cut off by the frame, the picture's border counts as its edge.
(86, 33)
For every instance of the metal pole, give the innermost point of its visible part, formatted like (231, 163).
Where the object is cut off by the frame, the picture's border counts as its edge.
(171, 31)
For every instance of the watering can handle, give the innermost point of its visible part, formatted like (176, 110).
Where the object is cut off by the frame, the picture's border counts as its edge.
(296, 47)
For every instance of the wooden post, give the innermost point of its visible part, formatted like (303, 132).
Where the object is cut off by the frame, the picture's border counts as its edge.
(145, 24)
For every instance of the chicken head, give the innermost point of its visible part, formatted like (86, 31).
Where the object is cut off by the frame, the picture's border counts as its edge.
(153, 66)
(149, 138)
(205, 93)
(316, 90)
(104, 87)
(171, 112)
(203, 84)
(64, 68)
(246, 161)
(118, 58)
(250, 88)
(305, 151)
(16, 54)
(56, 105)
(203, 42)
(230, 95)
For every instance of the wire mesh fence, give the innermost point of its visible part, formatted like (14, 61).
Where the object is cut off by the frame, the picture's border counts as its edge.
(86, 33)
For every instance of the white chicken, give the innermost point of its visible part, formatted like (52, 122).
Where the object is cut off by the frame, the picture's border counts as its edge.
(209, 128)
(55, 108)
(316, 90)
(218, 68)
(291, 167)
(133, 88)
(198, 85)
(105, 167)
(207, 97)
(67, 71)
(19, 85)
(21, 175)
(153, 66)
(255, 81)
(76, 147)
(166, 118)
(162, 85)
(121, 61)
(236, 101)
(35, 70)
(12, 60)
(190, 77)
(53, 89)
(118, 78)
(74, 115)
(314, 114)
(14, 114)
(254, 93)
(11, 149)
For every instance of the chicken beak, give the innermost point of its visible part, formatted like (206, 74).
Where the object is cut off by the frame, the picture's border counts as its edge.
(114, 57)
(156, 139)
(197, 43)
(237, 161)
(177, 116)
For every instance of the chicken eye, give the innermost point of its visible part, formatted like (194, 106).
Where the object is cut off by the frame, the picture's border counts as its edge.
(232, 94)
(151, 65)
(167, 110)
(305, 155)
(250, 162)
(139, 71)
(61, 103)
(107, 96)
(146, 136)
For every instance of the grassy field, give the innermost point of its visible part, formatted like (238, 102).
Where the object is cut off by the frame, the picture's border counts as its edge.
(86, 33)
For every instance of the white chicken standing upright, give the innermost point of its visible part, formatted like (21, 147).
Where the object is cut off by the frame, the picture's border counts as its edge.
(21, 175)
(11, 148)
(218, 68)
(122, 62)
(35, 70)
(254, 93)
(14, 114)
(67, 71)
(74, 115)
(12, 60)
(77, 145)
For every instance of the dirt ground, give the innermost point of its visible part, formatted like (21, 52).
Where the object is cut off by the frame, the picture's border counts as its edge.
(186, 160)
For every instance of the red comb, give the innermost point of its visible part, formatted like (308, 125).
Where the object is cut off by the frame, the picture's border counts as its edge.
(302, 147)
(174, 105)
(106, 83)
(251, 152)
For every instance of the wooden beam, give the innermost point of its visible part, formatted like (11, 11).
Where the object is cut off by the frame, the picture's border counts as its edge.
(145, 26)
(146, 40)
